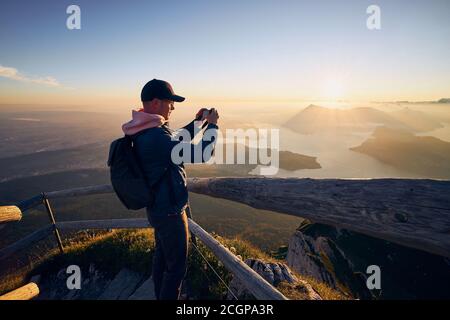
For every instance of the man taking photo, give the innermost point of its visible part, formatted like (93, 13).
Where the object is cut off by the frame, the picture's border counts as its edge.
(153, 143)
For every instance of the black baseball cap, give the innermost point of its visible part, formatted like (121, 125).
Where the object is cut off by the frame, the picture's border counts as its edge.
(159, 89)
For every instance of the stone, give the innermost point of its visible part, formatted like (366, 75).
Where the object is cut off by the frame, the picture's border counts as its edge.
(274, 273)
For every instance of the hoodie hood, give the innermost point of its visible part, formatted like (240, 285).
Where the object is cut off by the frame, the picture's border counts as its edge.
(142, 120)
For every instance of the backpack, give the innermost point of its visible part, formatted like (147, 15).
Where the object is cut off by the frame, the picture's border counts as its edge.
(127, 177)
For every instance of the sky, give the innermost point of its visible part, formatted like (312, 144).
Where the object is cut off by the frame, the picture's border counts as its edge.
(230, 51)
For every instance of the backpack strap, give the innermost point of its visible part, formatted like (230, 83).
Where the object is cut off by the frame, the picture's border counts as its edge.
(167, 169)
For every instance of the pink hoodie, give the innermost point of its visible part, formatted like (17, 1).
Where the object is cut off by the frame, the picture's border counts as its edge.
(142, 120)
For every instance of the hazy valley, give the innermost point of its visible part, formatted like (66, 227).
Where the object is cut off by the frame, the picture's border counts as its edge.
(57, 149)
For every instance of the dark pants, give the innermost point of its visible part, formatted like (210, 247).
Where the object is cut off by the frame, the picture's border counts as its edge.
(170, 256)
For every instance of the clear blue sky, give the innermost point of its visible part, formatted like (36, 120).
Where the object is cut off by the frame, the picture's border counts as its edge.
(233, 50)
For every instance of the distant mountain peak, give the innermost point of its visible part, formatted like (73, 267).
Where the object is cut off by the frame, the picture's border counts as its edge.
(314, 107)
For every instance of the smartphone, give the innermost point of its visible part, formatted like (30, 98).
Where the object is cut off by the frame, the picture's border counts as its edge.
(205, 113)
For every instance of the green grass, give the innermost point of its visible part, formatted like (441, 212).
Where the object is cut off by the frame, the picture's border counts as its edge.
(108, 251)
(265, 229)
(112, 251)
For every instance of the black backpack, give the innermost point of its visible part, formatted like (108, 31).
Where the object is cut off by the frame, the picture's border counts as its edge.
(127, 177)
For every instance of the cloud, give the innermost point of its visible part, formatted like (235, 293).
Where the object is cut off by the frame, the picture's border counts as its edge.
(13, 73)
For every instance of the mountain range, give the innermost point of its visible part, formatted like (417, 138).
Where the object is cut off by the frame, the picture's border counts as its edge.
(426, 156)
(314, 119)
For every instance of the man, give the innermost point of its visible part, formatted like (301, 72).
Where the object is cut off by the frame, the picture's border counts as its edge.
(153, 142)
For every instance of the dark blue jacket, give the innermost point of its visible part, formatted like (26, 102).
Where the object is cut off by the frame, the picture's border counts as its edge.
(153, 149)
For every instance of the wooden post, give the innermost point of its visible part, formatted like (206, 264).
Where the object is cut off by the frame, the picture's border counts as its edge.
(9, 214)
(53, 222)
(26, 292)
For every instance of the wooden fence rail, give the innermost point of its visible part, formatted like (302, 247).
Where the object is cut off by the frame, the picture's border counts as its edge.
(26, 292)
(25, 242)
(30, 203)
(10, 214)
(103, 224)
(256, 284)
(410, 212)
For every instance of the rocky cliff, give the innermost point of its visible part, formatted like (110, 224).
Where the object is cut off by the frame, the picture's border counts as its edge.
(340, 259)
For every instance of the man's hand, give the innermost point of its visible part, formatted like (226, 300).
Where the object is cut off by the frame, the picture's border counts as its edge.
(213, 116)
(199, 116)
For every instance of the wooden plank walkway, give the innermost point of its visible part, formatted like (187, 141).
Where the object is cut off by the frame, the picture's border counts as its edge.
(146, 291)
(122, 286)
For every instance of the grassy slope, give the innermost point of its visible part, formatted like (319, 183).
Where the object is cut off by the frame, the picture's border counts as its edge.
(265, 229)
(110, 252)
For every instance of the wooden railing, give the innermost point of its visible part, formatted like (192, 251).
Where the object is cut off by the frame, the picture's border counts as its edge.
(10, 214)
(256, 284)
(27, 292)
(410, 212)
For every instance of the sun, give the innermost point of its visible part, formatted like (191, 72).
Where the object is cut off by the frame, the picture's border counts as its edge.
(333, 89)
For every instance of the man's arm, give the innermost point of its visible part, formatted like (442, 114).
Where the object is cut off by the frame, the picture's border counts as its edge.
(195, 152)
(210, 144)
(182, 141)
(193, 127)
(190, 127)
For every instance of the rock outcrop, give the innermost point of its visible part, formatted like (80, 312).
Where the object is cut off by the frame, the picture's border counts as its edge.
(321, 259)
(340, 258)
(276, 274)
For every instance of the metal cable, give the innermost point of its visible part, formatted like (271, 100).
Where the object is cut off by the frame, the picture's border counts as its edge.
(215, 272)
